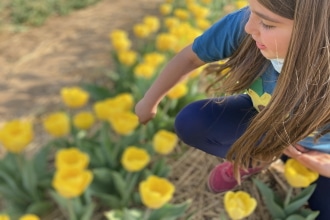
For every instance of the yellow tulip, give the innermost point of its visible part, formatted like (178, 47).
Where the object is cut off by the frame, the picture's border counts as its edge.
(117, 34)
(144, 70)
(154, 59)
(4, 217)
(103, 109)
(74, 97)
(298, 175)
(199, 11)
(83, 120)
(29, 217)
(124, 123)
(239, 204)
(203, 23)
(241, 3)
(57, 124)
(178, 91)
(164, 142)
(156, 192)
(166, 42)
(124, 101)
(171, 22)
(127, 57)
(152, 23)
(182, 14)
(121, 44)
(70, 183)
(71, 158)
(107, 108)
(16, 135)
(141, 30)
(135, 159)
(165, 8)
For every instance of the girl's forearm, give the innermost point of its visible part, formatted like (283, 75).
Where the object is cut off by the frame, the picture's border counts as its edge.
(175, 71)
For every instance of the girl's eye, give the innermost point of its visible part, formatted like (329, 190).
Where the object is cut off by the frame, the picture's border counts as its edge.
(266, 26)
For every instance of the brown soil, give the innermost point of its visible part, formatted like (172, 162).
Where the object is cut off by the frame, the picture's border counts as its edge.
(68, 50)
(37, 62)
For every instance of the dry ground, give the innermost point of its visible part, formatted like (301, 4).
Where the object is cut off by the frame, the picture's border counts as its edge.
(36, 63)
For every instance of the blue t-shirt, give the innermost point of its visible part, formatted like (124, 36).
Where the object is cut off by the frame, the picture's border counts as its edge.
(221, 40)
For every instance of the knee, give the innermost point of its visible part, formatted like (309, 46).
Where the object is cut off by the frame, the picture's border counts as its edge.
(187, 123)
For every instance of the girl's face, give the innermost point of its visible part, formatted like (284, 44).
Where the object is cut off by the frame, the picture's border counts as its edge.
(270, 31)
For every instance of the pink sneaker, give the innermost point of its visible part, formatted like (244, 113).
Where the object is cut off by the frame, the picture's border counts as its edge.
(222, 178)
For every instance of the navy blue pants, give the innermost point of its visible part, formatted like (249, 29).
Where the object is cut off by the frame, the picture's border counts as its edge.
(213, 128)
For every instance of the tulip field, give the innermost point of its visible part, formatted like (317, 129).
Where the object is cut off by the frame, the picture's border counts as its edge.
(100, 163)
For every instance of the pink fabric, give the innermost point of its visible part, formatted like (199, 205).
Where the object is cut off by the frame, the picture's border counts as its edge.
(222, 178)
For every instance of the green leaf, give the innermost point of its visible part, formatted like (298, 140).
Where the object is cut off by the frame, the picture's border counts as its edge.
(88, 213)
(13, 196)
(29, 179)
(13, 186)
(40, 161)
(313, 215)
(295, 217)
(161, 168)
(301, 199)
(268, 196)
(61, 202)
(102, 174)
(106, 145)
(97, 92)
(40, 208)
(112, 201)
(120, 183)
(170, 211)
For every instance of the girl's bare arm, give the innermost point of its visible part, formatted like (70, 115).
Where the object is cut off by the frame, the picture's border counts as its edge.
(176, 70)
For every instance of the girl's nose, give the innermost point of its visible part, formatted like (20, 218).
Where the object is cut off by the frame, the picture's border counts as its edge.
(251, 27)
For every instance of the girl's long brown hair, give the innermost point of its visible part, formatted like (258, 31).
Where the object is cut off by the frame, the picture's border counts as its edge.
(300, 103)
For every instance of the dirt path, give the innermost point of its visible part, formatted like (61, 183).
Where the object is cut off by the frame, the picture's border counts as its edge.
(36, 63)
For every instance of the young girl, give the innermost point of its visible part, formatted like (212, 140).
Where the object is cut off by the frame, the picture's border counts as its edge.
(277, 92)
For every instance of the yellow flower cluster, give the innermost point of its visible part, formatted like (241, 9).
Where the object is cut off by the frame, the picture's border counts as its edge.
(298, 175)
(120, 41)
(71, 177)
(239, 204)
(149, 25)
(147, 68)
(15, 135)
(156, 192)
(117, 111)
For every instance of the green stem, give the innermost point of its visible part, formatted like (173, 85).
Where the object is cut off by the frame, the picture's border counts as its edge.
(288, 196)
(223, 216)
(72, 215)
(146, 214)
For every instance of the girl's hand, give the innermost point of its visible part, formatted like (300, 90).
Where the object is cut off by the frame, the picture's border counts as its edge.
(314, 160)
(144, 111)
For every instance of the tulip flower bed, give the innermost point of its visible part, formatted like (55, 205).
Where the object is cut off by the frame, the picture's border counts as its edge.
(100, 163)
(36, 12)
